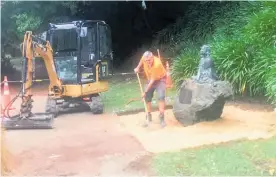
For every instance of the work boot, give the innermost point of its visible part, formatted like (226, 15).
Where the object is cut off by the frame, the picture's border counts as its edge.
(149, 117)
(148, 120)
(162, 121)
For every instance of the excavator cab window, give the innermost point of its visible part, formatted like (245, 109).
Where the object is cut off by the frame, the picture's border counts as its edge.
(79, 49)
(65, 47)
(105, 49)
(96, 46)
(65, 41)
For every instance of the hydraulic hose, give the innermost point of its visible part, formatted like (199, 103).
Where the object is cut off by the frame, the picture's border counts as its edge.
(6, 109)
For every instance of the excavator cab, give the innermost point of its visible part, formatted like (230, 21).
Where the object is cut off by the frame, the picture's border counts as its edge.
(82, 51)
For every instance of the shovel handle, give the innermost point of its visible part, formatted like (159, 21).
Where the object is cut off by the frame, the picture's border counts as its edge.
(145, 105)
(158, 54)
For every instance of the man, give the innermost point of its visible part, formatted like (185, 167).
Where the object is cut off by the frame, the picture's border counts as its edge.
(156, 76)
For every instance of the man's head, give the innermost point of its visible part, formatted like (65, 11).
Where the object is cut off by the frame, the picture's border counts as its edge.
(148, 57)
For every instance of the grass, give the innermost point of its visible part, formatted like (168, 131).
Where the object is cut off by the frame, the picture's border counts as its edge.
(239, 158)
(121, 91)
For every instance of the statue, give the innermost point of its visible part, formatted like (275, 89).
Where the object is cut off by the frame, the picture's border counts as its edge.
(206, 71)
(202, 97)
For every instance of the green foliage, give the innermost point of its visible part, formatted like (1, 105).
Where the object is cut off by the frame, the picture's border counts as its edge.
(25, 22)
(185, 64)
(232, 60)
(244, 57)
(242, 36)
(270, 82)
(18, 17)
(260, 29)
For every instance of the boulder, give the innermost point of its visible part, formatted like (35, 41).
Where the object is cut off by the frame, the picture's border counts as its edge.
(202, 97)
(197, 102)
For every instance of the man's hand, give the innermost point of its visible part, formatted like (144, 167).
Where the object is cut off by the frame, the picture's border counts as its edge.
(143, 95)
(136, 70)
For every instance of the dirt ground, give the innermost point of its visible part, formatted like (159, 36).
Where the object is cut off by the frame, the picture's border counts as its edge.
(79, 147)
(235, 124)
(80, 144)
(86, 144)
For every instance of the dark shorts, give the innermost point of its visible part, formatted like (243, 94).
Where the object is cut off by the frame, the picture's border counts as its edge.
(160, 87)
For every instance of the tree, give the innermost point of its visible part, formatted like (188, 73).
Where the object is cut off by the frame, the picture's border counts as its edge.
(18, 17)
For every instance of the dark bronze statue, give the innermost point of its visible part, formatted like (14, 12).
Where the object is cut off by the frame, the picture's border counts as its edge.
(206, 71)
(203, 97)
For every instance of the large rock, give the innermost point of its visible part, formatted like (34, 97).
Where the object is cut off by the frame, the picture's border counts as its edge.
(202, 97)
(196, 102)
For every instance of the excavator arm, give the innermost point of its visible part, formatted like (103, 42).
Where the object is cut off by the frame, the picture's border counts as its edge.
(64, 91)
(32, 47)
(36, 47)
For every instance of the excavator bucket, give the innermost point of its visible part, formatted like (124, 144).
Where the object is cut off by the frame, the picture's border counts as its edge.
(36, 121)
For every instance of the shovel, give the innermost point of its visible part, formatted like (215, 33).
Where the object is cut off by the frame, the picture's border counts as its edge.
(146, 109)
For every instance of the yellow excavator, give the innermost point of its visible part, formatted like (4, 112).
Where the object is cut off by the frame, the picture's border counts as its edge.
(78, 59)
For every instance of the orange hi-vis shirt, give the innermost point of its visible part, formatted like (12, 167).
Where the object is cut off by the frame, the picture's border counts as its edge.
(156, 72)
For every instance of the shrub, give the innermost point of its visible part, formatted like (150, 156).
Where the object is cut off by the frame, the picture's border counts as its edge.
(270, 83)
(243, 43)
(185, 64)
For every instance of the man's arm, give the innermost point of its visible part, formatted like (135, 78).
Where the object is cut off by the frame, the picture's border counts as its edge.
(149, 86)
(152, 80)
(136, 70)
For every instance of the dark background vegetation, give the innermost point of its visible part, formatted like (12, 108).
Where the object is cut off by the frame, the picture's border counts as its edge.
(131, 25)
(242, 35)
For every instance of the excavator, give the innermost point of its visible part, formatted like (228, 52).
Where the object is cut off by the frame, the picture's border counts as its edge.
(78, 59)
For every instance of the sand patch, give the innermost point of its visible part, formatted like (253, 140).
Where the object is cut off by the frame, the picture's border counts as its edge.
(235, 124)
